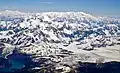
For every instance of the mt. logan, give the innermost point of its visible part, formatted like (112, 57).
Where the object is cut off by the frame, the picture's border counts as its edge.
(59, 33)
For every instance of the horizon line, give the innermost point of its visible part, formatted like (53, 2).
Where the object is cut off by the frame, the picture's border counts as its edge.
(98, 15)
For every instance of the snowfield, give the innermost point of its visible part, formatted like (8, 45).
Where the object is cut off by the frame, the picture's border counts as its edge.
(63, 37)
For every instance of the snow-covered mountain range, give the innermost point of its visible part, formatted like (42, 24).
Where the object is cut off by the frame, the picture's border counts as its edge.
(67, 34)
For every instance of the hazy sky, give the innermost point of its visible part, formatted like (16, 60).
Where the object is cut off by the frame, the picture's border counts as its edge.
(96, 7)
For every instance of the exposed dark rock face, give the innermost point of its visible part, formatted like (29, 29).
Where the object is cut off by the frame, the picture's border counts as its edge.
(4, 63)
(110, 67)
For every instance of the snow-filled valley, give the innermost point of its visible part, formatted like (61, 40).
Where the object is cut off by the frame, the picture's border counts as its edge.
(61, 37)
